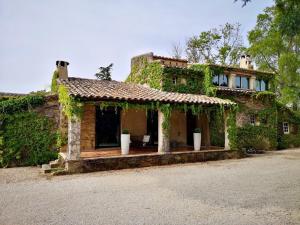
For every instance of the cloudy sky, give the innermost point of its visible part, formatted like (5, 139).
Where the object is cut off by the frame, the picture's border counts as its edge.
(93, 33)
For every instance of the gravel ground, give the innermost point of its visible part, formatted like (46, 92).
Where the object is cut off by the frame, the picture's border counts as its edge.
(264, 189)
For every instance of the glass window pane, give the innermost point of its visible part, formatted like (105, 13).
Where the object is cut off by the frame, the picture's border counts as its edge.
(245, 83)
(257, 85)
(238, 82)
(223, 80)
(216, 80)
(263, 85)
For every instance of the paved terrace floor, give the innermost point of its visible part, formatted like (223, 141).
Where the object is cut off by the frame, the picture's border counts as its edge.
(108, 152)
(261, 190)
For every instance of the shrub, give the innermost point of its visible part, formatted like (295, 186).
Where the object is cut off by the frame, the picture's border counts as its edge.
(257, 137)
(26, 138)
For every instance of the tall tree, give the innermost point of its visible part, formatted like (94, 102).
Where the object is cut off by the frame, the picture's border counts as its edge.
(104, 73)
(274, 44)
(177, 50)
(221, 45)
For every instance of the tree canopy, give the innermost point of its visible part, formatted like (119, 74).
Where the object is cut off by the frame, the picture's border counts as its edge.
(274, 44)
(221, 45)
(104, 73)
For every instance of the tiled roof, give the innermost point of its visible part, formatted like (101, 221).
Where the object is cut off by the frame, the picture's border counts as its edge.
(113, 90)
(169, 58)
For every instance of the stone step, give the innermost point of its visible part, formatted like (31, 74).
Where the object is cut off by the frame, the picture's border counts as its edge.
(46, 168)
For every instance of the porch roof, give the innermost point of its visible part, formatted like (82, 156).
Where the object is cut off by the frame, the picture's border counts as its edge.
(93, 89)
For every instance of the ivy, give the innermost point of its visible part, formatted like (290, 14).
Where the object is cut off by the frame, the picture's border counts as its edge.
(166, 110)
(267, 96)
(54, 86)
(21, 104)
(72, 107)
(232, 129)
(143, 72)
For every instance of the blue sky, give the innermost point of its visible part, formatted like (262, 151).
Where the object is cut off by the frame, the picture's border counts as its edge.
(93, 33)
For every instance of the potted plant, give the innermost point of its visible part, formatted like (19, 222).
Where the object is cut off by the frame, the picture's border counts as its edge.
(197, 139)
(125, 142)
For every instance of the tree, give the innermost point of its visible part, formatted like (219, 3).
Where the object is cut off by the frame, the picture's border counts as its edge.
(104, 73)
(274, 44)
(221, 45)
(177, 50)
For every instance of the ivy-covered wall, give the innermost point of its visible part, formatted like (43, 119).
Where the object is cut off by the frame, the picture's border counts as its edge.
(27, 136)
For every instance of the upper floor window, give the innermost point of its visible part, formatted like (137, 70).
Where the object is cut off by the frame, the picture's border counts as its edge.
(220, 80)
(242, 82)
(261, 85)
(252, 119)
(285, 127)
(174, 80)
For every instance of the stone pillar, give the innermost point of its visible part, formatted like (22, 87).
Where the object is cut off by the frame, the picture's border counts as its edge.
(163, 138)
(231, 81)
(74, 130)
(226, 144)
(252, 83)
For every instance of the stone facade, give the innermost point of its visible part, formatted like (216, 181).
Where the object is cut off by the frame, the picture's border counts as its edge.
(125, 162)
(88, 128)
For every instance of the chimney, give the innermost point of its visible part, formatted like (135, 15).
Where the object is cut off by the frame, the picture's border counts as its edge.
(245, 62)
(62, 69)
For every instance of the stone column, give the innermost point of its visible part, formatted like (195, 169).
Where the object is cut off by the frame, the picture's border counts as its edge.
(252, 82)
(163, 138)
(74, 130)
(226, 144)
(231, 80)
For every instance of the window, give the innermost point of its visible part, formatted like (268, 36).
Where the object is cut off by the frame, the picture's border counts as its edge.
(220, 80)
(285, 127)
(261, 85)
(242, 82)
(174, 80)
(252, 119)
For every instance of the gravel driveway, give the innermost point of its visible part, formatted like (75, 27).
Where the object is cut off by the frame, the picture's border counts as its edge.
(264, 189)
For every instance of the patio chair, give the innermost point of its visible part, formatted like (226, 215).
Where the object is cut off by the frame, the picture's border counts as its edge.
(146, 140)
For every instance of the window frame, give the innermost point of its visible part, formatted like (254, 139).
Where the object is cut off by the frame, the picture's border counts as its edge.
(174, 80)
(259, 82)
(218, 80)
(285, 127)
(240, 77)
(252, 119)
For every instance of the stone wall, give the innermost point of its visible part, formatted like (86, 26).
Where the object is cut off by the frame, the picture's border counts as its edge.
(125, 162)
(50, 109)
(88, 128)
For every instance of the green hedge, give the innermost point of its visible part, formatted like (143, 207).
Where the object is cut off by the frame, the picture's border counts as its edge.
(14, 105)
(27, 139)
(289, 141)
(257, 137)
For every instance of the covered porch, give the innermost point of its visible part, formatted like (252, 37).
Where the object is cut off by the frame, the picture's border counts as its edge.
(169, 119)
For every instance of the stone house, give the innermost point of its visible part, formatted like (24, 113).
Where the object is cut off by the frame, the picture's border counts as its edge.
(166, 99)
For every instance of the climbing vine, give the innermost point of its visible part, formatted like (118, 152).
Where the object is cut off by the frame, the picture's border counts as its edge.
(26, 137)
(72, 107)
(54, 85)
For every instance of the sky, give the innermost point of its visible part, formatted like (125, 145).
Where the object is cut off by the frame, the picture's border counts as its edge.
(93, 33)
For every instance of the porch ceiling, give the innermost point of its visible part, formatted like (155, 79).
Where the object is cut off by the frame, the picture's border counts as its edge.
(114, 90)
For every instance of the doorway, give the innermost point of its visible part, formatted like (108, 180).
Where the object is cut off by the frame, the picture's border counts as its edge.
(107, 127)
(190, 127)
(152, 126)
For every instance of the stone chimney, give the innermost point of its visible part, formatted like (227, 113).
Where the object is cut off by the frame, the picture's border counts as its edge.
(62, 69)
(245, 62)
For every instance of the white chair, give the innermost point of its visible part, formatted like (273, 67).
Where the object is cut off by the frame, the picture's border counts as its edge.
(146, 140)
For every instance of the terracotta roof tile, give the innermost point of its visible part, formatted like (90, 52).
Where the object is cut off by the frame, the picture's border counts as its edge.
(114, 90)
